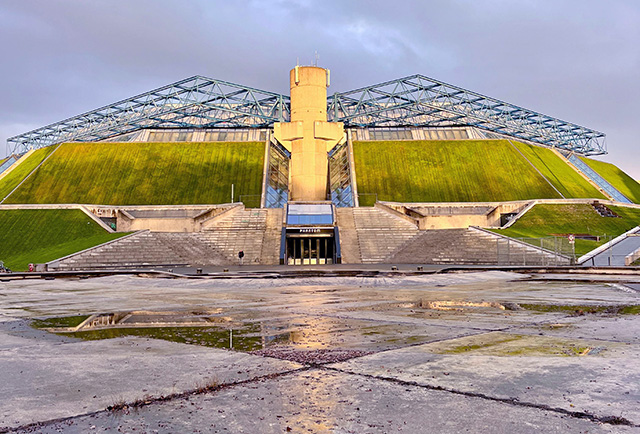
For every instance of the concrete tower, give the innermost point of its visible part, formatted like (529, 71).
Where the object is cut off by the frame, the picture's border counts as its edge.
(309, 136)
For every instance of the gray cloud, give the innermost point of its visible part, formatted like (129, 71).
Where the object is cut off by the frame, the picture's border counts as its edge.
(576, 60)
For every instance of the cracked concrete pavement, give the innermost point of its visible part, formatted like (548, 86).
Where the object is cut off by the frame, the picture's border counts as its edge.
(470, 365)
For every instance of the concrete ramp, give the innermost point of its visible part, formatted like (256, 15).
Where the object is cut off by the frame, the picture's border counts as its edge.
(619, 252)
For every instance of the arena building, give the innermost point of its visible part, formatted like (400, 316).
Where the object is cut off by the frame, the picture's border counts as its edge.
(412, 170)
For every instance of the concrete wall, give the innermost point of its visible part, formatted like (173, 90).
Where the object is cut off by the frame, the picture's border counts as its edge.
(200, 215)
(630, 259)
(158, 218)
(126, 224)
(456, 215)
(432, 216)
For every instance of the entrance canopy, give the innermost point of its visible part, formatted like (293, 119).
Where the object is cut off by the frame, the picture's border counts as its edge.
(310, 214)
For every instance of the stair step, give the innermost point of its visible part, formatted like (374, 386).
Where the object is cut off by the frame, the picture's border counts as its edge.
(256, 232)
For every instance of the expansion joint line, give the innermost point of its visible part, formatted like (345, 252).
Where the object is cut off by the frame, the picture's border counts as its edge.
(143, 402)
(536, 169)
(612, 420)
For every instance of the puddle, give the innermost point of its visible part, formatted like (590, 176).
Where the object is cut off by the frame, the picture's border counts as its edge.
(191, 327)
(60, 322)
(240, 332)
(243, 339)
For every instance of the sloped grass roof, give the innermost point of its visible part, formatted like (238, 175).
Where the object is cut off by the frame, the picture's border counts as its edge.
(446, 171)
(147, 174)
(563, 177)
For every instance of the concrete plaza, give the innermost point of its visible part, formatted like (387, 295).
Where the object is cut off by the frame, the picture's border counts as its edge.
(476, 351)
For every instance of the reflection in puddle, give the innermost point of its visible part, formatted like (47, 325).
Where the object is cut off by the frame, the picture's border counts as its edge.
(244, 339)
(205, 328)
(239, 332)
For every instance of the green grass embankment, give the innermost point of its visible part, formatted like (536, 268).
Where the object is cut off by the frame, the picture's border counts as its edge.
(616, 177)
(563, 177)
(545, 220)
(446, 171)
(13, 178)
(37, 236)
(147, 174)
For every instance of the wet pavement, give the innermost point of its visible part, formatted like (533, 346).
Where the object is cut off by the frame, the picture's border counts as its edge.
(474, 351)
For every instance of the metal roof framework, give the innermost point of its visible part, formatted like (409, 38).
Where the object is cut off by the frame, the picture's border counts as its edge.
(421, 101)
(201, 102)
(196, 102)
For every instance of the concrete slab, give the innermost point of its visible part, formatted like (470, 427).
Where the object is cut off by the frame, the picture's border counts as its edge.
(618, 328)
(602, 384)
(46, 376)
(331, 402)
(40, 380)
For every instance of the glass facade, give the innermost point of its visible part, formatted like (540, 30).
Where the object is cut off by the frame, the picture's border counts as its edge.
(309, 214)
(277, 193)
(340, 188)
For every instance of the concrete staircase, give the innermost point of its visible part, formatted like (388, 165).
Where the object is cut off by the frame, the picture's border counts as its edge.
(349, 248)
(470, 247)
(145, 249)
(370, 235)
(242, 230)
(603, 210)
(367, 235)
(254, 231)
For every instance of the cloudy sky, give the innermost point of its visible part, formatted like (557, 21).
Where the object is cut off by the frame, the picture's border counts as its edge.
(575, 60)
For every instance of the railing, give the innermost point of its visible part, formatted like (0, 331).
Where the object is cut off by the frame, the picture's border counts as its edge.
(618, 252)
(446, 210)
(597, 179)
(607, 259)
(544, 251)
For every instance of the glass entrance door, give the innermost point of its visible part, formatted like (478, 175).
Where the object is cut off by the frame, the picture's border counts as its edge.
(309, 250)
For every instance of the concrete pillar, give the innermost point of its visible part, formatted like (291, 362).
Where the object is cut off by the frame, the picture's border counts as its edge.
(308, 136)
